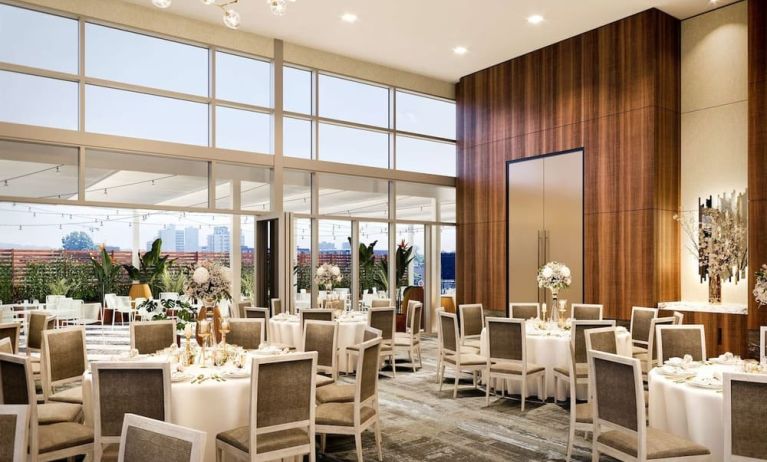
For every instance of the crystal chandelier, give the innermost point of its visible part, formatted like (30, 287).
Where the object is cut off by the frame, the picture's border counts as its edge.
(231, 17)
(279, 7)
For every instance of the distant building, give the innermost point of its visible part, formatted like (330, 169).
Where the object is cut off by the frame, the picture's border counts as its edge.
(219, 241)
(327, 246)
(176, 240)
(191, 239)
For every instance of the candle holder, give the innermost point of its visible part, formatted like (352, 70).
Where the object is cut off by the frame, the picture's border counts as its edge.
(561, 317)
(223, 331)
(188, 354)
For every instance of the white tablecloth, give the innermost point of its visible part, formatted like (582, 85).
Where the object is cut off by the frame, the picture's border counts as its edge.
(684, 410)
(351, 331)
(551, 349)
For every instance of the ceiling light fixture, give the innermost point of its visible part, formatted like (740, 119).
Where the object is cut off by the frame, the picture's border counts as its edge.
(351, 18)
(535, 19)
(460, 50)
(161, 3)
(231, 17)
(279, 7)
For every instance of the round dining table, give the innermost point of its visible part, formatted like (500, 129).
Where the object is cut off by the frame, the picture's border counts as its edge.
(550, 348)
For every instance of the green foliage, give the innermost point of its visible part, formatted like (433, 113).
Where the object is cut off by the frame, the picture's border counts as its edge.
(41, 275)
(172, 281)
(77, 240)
(61, 286)
(160, 311)
(303, 276)
(151, 265)
(106, 273)
(247, 282)
(404, 258)
(6, 282)
(370, 271)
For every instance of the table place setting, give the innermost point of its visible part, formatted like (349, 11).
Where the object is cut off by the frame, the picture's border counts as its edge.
(539, 328)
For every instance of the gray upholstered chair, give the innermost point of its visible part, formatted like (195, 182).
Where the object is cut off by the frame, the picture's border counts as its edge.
(14, 421)
(471, 319)
(239, 309)
(604, 339)
(315, 314)
(677, 341)
(581, 414)
(640, 327)
(353, 418)
(121, 388)
(322, 337)
(253, 312)
(247, 333)
(678, 318)
(368, 334)
(507, 357)
(344, 392)
(650, 359)
(333, 305)
(619, 415)
(451, 356)
(63, 362)
(276, 305)
(10, 330)
(36, 323)
(578, 341)
(6, 346)
(282, 411)
(143, 439)
(148, 337)
(524, 310)
(745, 416)
(410, 341)
(46, 442)
(380, 303)
(384, 319)
(587, 312)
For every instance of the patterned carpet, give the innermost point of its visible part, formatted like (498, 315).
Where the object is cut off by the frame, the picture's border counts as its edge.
(422, 424)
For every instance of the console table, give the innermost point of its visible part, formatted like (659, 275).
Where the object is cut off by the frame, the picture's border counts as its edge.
(725, 324)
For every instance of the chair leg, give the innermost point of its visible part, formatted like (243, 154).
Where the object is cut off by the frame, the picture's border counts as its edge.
(594, 453)
(570, 438)
(420, 358)
(455, 387)
(441, 376)
(379, 440)
(487, 390)
(556, 388)
(358, 445)
(393, 365)
(524, 391)
(323, 441)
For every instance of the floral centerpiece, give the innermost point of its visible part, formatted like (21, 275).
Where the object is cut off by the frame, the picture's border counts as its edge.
(554, 276)
(760, 287)
(326, 275)
(210, 283)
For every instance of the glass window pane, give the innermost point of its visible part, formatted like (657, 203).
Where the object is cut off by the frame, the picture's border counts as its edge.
(374, 265)
(334, 248)
(255, 186)
(247, 260)
(302, 263)
(123, 56)
(447, 260)
(188, 237)
(410, 250)
(344, 99)
(425, 156)
(32, 100)
(38, 170)
(297, 138)
(35, 39)
(297, 88)
(145, 179)
(353, 196)
(416, 201)
(353, 146)
(126, 113)
(428, 116)
(297, 191)
(244, 80)
(243, 130)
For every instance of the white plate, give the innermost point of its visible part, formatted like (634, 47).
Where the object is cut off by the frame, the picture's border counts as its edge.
(178, 377)
(677, 373)
(236, 374)
(724, 362)
(705, 385)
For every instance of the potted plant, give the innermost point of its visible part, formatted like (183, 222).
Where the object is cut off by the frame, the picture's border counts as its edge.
(106, 272)
(151, 266)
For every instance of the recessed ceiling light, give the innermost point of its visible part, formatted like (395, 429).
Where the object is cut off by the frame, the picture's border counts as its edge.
(349, 17)
(535, 19)
(460, 50)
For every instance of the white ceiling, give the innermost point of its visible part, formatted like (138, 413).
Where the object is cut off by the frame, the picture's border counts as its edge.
(419, 35)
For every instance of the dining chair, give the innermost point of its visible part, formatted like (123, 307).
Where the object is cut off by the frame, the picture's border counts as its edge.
(322, 337)
(344, 392)
(110, 303)
(14, 421)
(369, 333)
(256, 312)
(315, 314)
(579, 358)
(247, 333)
(148, 337)
(276, 305)
(282, 411)
(410, 341)
(745, 416)
(46, 442)
(470, 363)
(650, 359)
(123, 306)
(380, 303)
(10, 331)
(6, 346)
(385, 319)
(334, 305)
(524, 310)
(619, 409)
(640, 327)
(587, 312)
(239, 309)
(604, 339)
(677, 341)
(36, 323)
(507, 357)
(471, 319)
(678, 318)
(143, 439)
(120, 388)
(63, 362)
(353, 418)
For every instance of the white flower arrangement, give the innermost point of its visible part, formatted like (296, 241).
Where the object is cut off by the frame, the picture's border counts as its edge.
(554, 276)
(760, 287)
(209, 281)
(327, 274)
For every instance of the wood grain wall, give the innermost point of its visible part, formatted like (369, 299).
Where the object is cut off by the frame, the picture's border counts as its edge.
(614, 92)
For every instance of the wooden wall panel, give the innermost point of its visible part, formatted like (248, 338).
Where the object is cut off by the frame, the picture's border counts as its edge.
(614, 92)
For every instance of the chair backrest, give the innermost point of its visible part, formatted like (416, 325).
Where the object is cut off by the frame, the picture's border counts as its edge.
(239, 309)
(332, 305)
(282, 394)
(677, 341)
(762, 342)
(669, 321)
(276, 304)
(587, 312)
(322, 337)
(247, 333)
(414, 319)
(382, 319)
(506, 339)
(14, 420)
(578, 336)
(472, 320)
(143, 439)
(448, 332)
(678, 318)
(315, 315)
(110, 300)
(6, 346)
(604, 339)
(524, 310)
(370, 333)
(745, 416)
(10, 331)
(640, 323)
(380, 303)
(120, 388)
(255, 312)
(18, 388)
(367, 371)
(618, 395)
(37, 322)
(64, 357)
(151, 336)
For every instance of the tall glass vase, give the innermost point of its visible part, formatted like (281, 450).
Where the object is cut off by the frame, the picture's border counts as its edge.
(554, 305)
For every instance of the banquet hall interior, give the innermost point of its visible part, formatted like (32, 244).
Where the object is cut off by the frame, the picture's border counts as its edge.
(338, 230)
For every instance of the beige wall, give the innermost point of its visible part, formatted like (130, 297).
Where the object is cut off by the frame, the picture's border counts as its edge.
(714, 123)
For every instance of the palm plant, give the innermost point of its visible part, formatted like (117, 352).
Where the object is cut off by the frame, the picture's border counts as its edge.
(105, 271)
(61, 286)
(151, 265)
(172, 281)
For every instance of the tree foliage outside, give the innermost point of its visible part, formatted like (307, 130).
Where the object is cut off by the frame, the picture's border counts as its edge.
(77, 240)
